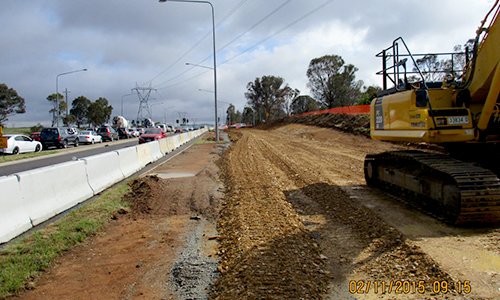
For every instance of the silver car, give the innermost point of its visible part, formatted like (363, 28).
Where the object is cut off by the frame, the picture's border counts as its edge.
(89, 137)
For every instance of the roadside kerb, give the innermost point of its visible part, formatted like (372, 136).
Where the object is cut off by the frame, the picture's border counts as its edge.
(14, 218)
(51, 190)
(103, 170)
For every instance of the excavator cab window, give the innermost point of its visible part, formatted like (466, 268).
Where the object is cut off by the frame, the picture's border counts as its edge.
(422, 97)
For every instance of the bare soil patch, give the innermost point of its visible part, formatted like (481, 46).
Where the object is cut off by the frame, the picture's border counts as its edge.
(299, 222)
(134, 256)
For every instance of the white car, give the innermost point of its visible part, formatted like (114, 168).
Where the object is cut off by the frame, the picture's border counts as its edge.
(135, 132)
(89, 137)
(20, 143)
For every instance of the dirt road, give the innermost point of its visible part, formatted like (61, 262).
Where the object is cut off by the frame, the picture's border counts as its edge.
(295, 221)
(299, 222)
(163, 248)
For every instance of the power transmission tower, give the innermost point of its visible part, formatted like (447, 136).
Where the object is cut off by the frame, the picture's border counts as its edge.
(143, 93)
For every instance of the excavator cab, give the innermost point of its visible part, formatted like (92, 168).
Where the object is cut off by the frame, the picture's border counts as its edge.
(416, 109)
(456, 105)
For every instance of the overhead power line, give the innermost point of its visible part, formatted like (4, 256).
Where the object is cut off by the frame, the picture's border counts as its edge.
(196, 44)
(279, 31)
(227, 44)
(294, 22)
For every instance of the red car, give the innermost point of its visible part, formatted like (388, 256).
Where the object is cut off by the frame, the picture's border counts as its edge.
(152, 134)
(35, 136)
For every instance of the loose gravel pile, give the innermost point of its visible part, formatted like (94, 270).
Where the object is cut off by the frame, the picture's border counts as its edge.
(265, 249)
(288, 231)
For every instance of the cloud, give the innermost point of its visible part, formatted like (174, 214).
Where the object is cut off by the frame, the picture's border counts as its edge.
(124, 43)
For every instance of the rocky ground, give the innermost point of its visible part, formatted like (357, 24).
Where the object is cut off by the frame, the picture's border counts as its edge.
(284, 214)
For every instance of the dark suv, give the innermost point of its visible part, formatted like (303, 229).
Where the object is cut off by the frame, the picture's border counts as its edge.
(124, 133)
(59, 137)
(108, 133)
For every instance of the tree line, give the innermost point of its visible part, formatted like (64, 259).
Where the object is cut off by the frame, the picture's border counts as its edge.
(83, 110)
(332, 83)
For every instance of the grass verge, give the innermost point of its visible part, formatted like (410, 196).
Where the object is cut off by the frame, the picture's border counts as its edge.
(24, 260)
(17, 130)
(8, 157)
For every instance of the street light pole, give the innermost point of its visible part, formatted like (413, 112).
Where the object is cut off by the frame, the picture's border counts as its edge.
(121, 111)
(56, 108)
(215, 58)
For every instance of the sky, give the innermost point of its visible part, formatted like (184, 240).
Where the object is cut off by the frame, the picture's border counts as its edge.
(128, 44)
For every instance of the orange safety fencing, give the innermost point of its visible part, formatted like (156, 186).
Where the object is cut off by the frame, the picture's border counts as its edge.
(349, 110)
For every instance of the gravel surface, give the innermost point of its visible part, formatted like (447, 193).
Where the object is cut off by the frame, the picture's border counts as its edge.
(194, 272)
(290, 228)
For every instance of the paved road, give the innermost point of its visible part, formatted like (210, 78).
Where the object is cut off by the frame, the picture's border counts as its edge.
(63, 156)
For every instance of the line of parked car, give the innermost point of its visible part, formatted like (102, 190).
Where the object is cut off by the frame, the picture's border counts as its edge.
(62, 137)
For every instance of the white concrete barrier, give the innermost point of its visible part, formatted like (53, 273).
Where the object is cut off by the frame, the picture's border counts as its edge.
(156, 153)
(103, 170)
(177, 141)
(183, 137)
(167, 145)
(31, 197)
(50, 190)
(170, 143)
(129, 162)
(144, 154)
(14, 218)
(163, 145)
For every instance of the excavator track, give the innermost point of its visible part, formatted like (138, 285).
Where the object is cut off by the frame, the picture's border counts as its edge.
(460, 192)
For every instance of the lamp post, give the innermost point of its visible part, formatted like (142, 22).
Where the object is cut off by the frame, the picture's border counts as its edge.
(121, 111)
(215, 59)
(57, 94)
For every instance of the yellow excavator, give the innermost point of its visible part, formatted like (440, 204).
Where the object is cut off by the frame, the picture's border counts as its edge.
(460, 111)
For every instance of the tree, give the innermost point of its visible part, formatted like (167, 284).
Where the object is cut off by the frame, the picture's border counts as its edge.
(302, 104)
(434, 69)
(58, 109)
(369, 93)
(247, 116)
(68, 120)
(99, 112)
(230, 114)
(38, 127)
(80, 110)
(266, 96)
(332, 82)
(289, 97)
(10, 103)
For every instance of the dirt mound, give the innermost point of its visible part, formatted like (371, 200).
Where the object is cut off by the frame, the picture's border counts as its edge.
(356, 124)
(142, 193)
